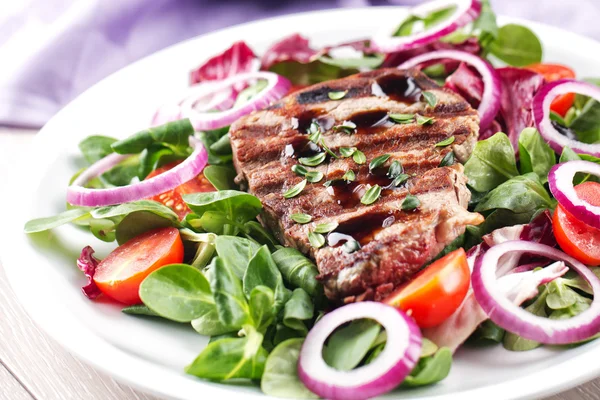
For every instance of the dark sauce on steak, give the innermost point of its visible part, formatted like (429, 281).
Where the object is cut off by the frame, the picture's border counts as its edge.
(362, 229)
(301, 147)
(369, 119)
(404, 89)
(307, 117)
(348, 195)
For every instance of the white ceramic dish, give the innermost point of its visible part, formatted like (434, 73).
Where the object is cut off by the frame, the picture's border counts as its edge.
(149, 354)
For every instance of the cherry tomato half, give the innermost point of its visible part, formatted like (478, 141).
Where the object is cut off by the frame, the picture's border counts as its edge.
(576, 238)
(436, 292)
(554, 72)
(120, 274)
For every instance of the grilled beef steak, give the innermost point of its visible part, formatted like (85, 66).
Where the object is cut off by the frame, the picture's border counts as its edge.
(378, 246)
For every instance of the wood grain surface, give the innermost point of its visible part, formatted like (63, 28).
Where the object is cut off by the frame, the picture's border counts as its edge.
(33, 366)
(10, 387)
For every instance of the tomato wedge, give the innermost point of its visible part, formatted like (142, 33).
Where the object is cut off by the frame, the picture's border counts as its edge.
(554, 72)
(576, 238)
(172, 198)
(120, 274)
(436, 292)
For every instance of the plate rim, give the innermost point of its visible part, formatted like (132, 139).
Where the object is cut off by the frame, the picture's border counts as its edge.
(159, 380)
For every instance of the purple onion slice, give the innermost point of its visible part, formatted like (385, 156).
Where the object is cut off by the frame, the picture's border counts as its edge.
(387, 371)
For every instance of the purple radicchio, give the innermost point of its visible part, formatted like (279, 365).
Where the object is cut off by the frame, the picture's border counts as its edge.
(292, 48)
(518, 86)
(237, 59)
(87, 263)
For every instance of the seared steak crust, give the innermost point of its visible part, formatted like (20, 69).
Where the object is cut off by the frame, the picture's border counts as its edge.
(394, 243)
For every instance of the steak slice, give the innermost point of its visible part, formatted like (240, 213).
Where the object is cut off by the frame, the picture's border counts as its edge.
(394, 244)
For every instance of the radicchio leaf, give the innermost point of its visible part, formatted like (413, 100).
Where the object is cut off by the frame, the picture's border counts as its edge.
(292, 48)
(540, 230)
(466, 82)
(87, 263)
(518, 88)
(235, 60)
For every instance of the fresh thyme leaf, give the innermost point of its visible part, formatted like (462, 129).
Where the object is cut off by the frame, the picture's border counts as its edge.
(316, 239)
(421, 120)
(349, 176)
(410, 202)
(301, 218)
(430, 98)
(347, 127)
(326, 227)
(315, 137)
(314, 160)
(378, 161)
(295, 190)
(314, 176)
(299, 170)
(337, 95)
(395, 169)
(447, 160)
(314, 132)
(359, 157)
(402, 118)
(347, 151)
(399, 180)
(328, 150)
(371, 195)
(445, 142)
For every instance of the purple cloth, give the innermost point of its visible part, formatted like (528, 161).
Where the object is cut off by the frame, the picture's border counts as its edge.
(53, 50)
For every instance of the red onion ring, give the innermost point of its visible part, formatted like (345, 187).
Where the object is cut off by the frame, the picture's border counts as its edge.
(490, 99)
(466, 12)
(541, 114)
(560, 180)
(388, 370)
(194, 97)
(277, 87)
(78, 195)
(507, 315)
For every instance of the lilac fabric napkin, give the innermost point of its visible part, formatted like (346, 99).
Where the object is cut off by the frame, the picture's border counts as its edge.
(52, 50)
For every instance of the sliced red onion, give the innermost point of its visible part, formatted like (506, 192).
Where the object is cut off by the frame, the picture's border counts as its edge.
(80, 196)
(506, 314)
(277, 87)
(387, 371)
(466, 12)
(541, 114)
(490, 99)
(195, 97)
(560, 180)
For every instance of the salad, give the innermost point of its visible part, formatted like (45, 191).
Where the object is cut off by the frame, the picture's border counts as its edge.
(191, 248)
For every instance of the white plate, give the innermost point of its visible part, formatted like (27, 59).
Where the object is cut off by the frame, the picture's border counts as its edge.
(151, 354)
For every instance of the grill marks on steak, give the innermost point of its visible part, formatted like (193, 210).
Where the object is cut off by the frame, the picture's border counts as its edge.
(394, 243)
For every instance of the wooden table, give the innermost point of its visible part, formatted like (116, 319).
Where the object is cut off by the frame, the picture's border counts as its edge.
(33, 366)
